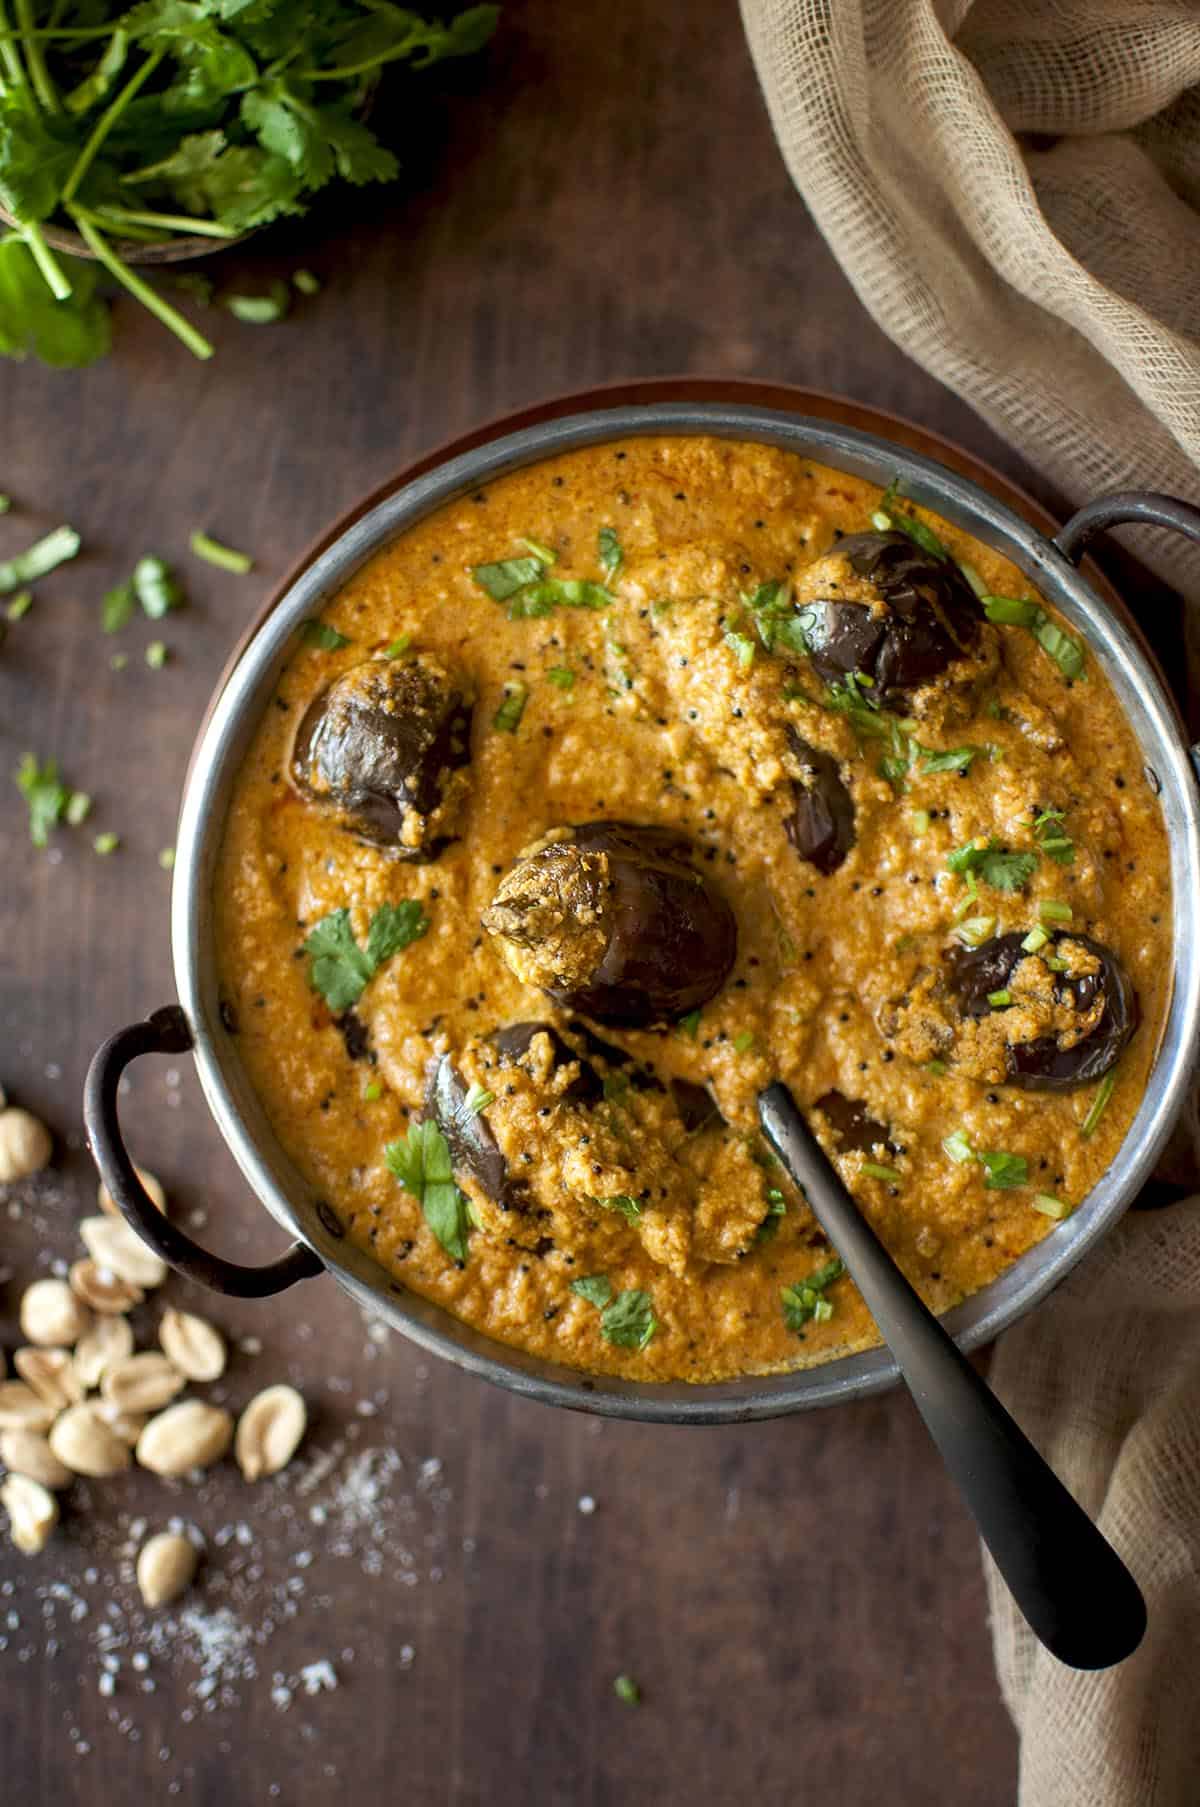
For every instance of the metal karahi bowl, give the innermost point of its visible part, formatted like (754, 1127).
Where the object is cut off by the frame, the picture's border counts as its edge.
(728, 410)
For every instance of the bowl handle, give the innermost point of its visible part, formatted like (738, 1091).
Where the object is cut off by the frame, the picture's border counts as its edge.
(167, 1032)
(1126, 507)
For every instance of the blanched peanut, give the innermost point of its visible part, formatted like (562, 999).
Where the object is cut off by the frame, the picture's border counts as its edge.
(32, 1512)
(51, 1315)
(165, 1566)
(25, 1145)
(269, 1431)
(153, 1185)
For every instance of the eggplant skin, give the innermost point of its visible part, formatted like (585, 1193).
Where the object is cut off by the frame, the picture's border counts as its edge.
(612, 919)
(821, 826)
(1041, 1065)
(512, 1044)
(852, 1125)
(473, 1148)
(385, 746)
(933, 617)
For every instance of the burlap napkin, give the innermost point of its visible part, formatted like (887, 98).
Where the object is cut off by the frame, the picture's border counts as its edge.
(1013, 187)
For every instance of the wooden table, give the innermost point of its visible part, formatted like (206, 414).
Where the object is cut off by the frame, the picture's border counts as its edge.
(801, 1601)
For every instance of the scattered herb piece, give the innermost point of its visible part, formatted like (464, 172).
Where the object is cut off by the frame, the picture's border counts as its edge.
(156, 655)
(562, 677)
(920, 822)
(800, 1302)
(1051, 838)
(958, 1147)
(742, 647)
(166, 859)
(477, 1100)
(339, 969)
(39, 558)
(200, 288)
(1014, 611)
(507, 718)
(421, 1163)
(20, 605)
(975, 930)
(79, 808)
(887, 518)
(689, 1025)
(595, 1288)
(776, 1210)
(1004, 1172)
(999, 1000)
(226, 558)
(372, 1092)
(1099, 1104)
(622, 1204)
(326, 639)
(1049, 1206)
(608, 549)
(1035, 941)
(936, 1067)
(875, 1171)
(106, 843)
(512, 574)
(44, 793)
(1050, 909)
(1001, 867)
(778, 622)
(156, 588)
(5, 504)
(305, 283)
(627, 1690)
(396, 649)
(540, 550)
(629, 1321)
(522, 584)
(118, 661)
(260, 310)
(117, 608)
(743, 1043)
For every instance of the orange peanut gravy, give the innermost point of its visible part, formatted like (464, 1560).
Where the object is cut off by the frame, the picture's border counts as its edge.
(663, 724)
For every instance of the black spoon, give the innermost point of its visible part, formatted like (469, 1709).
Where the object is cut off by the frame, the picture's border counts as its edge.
(1071, 1585)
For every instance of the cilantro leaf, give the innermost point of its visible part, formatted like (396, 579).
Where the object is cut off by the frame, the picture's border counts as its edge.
(629, 1321)
(504, 579)
(622, 1204)
(117, 610)
(608, 550)
(1001, 867)
(507, 718)
(595, 1288)
(325, 638)
(394, 927)
(64, 334)
(421, 1163)
(1004, 1172)
(45, 793)
(340, 969)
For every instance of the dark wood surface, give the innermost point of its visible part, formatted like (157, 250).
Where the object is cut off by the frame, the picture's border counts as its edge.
(800, 1601)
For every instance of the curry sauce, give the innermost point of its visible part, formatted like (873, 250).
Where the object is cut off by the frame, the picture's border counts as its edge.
(933, 899)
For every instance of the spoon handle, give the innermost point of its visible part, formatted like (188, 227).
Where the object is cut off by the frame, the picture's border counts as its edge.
(1071, 1585)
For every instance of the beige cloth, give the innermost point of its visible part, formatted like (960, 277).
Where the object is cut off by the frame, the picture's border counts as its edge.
(1054, 286)
(1054, 282)
(1105, 1377)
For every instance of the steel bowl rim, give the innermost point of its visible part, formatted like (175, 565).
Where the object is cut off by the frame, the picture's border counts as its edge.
(237, 708)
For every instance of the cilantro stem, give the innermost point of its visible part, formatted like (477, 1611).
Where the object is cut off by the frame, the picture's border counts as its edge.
(39, 75)
(167, 222)
(52, 271)
(415, 41)
(103, 253)
(14, 69)
(103, 127)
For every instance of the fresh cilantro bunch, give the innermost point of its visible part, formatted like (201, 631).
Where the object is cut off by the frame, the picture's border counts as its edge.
(200, 117)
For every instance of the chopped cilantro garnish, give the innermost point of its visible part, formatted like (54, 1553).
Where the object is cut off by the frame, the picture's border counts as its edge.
(876, 1171)
(1035, 940)
(1050, 909)
(888, 518)
(325, 638)
(957, 1146)
(156, 588)
(742, 648)
(477, 1100)
(45, 793)
(1001, 867)
(1049, 1206)
(800, 1302)
(779, 624)
(396, 649)
(5, 504)
(953, 759)
(522, 583)
(512, 574)
(41, 557)
(999, 1000)
(920, 822)
(1051, 838)
(339, 969)
(507, 718)
(595, 1288)
(689, 1025)
(226, 558)
(118, 661)
(561, 676)
(546, 554)
(156, 654)
(421, 1163)
(608, 550)
(106, 843)
(776, 1209)
(627, 1690)
(622, 1204)
(1016, 611)
(975, 930)
(20, 605)
(305, 283)
(166, 859)
(372, 1091)
(629, 1321)
(1099, 1104)
(743, 1043)
(1003, 1172)
(79, 808)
